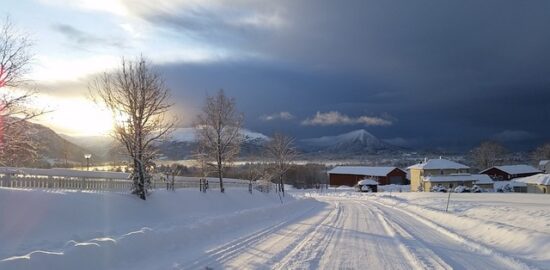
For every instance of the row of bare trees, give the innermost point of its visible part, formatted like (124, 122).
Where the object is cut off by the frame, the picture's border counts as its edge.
(139, 99)
(492, 153)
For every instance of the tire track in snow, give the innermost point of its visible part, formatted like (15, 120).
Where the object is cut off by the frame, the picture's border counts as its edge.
(306, 254)
(421, 256)
(233, 249)
(360, 241)
(460, 240)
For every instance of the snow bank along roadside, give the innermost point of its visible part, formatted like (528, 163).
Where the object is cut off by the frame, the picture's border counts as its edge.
(531, 246)
(105, 230)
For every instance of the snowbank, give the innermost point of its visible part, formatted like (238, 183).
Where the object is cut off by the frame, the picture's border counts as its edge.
(70, 230)
(394, 188)
(511, 223)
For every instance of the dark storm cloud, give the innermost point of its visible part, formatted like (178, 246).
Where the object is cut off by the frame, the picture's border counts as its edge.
(451, 73)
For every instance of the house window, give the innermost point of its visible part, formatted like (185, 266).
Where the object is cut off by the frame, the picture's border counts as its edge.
(441, 172)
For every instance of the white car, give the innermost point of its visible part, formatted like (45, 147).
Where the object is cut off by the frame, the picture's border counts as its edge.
(461, 189)
(439, 188)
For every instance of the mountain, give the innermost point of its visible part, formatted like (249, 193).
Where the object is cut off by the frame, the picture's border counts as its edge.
(352, 143)
(182, 144)
(53, 148)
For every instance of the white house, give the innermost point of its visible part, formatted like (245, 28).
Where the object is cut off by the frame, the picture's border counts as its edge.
(440, 171)
(539, 183)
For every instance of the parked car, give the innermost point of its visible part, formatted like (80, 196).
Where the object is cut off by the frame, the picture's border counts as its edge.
(439, 188)
(506, 188)
(366, 188)
(476, 189)
(461, 189)
(362, 188)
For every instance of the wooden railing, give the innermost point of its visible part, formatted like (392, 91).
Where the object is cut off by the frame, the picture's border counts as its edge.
(28, 178)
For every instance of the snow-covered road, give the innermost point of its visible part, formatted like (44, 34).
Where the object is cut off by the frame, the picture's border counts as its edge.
(187, 229)
(353, 234)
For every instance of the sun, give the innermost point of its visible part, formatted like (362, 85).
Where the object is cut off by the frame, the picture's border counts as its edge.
(76, 116)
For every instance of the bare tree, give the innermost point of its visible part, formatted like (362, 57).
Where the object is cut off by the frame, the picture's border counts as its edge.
(488, 153)
(218, 130)
(20, 148)
(281, 152)
(138, 99)
(541, 153)
(16, 146)
(15, 56)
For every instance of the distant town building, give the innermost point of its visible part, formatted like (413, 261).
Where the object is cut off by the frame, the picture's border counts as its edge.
(544, 165)
(484, 181)
(351, 175)
(539, 183)
(441, 172)
(509, 172)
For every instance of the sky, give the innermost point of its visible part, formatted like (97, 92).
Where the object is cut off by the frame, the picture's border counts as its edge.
(420, 74)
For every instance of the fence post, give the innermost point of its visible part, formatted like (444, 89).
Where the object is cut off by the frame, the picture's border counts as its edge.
(8, 179)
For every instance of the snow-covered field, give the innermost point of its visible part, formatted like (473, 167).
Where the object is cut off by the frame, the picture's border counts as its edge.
(340, 229)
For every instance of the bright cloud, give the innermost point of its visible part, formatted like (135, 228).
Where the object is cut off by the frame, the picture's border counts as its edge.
(336, 118)
(277, 116)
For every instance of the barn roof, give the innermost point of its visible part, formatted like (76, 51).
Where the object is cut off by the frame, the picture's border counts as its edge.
(515, 169)
(540, 179)
(438, 164)
(362, 170)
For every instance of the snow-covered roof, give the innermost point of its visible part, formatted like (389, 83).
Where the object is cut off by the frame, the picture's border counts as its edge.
(438, 164)
(483, 179)
(543, 163)
(367, 182)
(539, 179)
(362, 170)
(449, 178)
(516, 169)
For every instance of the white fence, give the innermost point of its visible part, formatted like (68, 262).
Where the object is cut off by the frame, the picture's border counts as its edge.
(97, 181)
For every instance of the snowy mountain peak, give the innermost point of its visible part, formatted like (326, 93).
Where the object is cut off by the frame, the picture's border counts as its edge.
(188, 135)
(360, 135)
(357, 141)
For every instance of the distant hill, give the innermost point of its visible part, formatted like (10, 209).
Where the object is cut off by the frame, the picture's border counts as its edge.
(182, 144)
(53, 148)
(101, 145)
(356, 142)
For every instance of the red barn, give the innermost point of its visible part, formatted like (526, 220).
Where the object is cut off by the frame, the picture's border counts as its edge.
(508, 172)
(350, 175)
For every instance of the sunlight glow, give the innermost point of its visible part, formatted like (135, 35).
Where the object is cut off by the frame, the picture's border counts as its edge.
(75, 116)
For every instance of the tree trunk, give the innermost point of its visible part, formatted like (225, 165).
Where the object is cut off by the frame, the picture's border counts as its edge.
(140, 185)
(220, 175)
(282, 184)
